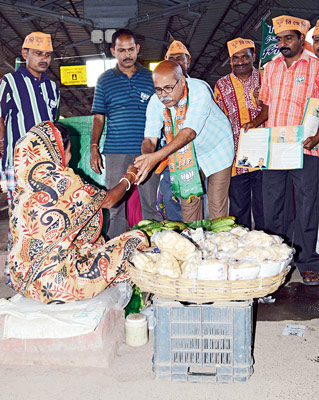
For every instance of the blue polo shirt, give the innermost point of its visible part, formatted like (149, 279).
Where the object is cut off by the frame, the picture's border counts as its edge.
(24, 102)
(123, 101)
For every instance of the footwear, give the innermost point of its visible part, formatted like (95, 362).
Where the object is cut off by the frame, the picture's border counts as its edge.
(310, 277)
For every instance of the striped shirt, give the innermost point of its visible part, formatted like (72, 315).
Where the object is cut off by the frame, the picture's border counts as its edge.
(286, 90)
(214, 145)
(25, 101)
(123, 101)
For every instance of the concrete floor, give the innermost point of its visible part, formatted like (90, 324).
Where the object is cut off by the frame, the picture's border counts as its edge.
(285, 367)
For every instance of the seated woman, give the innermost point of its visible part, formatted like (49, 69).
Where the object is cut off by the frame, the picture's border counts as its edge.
(58, 254)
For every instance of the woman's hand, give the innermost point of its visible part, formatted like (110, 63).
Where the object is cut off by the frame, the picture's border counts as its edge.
(132, 170)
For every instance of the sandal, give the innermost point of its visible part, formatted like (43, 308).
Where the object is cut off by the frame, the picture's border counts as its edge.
(310, 277)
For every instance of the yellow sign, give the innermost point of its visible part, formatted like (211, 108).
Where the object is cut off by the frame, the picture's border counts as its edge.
(73, 75)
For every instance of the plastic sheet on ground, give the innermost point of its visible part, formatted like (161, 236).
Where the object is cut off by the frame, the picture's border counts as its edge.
(29, 319)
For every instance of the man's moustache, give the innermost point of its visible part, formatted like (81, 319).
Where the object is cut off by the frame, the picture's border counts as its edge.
(166, 98)
(240, 65)
(128, 59)
(284, 48)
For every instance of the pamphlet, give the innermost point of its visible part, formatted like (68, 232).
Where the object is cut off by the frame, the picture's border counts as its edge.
(271, 148)
(310, 119)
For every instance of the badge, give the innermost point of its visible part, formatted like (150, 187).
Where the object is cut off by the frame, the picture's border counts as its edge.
(300, 79)
(53, 103)
(144, 97)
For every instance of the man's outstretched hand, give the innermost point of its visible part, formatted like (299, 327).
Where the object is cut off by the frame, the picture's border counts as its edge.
(145, 163)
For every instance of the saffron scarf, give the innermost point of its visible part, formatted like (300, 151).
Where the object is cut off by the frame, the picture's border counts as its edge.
(183, 167)
(237, 101)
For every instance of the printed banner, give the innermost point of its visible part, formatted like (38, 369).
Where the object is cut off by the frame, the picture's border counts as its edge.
(269, 47)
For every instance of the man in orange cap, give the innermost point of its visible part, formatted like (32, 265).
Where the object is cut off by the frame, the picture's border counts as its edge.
(315, 38)
(235, 94)
(287, 84)
(27, 97)
(178, 52)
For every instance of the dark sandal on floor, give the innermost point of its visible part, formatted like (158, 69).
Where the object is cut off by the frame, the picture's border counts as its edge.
(310, 277)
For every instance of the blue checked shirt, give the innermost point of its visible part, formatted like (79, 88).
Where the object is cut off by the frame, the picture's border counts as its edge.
(214, 145)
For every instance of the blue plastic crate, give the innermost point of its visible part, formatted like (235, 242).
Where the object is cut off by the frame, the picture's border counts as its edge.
(197, 343)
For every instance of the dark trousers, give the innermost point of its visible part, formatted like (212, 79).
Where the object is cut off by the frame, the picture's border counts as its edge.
(278, 218)
(116, 166)
(172, 207)
(245, 196)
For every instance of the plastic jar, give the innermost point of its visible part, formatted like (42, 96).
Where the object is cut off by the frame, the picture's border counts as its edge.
(136, 331)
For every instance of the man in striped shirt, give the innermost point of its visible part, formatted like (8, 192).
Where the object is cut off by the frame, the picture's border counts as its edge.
(27, 97)
(287, 84)
(121, 95)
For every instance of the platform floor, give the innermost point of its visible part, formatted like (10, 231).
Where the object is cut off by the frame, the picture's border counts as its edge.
(285, 368)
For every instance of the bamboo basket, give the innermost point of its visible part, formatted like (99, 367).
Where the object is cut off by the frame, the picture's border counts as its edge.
(199, 291)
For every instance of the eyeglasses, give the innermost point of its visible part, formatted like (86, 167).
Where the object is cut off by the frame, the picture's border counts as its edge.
(166, 89)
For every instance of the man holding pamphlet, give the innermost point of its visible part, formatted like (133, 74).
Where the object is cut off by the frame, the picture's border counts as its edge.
(236, 94)
(289, 81)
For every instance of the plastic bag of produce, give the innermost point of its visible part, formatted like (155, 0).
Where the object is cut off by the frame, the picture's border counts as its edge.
(144, 261)
(243, 270)
(167, 265)
(190, 266)
(174, 243)
(270, 268)
(239, 231)
(281, 251)
(212, 270)
(259, 238)
(250, 253)
(220, 237)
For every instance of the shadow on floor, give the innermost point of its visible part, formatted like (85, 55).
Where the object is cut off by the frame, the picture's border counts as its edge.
(294, 301)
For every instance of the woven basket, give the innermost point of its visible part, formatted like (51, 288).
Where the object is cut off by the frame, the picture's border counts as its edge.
(199, 292)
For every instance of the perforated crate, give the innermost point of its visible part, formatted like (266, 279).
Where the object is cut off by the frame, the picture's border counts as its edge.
(196, 343)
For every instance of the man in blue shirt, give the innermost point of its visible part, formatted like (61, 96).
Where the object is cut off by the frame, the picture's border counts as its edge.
(205, 125)
(122, 95)
(27, 97)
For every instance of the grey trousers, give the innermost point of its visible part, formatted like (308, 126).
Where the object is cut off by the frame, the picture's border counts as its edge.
(217, 198)
(116, 166)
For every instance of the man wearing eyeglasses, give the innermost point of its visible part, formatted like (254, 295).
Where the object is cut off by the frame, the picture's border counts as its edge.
(199, 138)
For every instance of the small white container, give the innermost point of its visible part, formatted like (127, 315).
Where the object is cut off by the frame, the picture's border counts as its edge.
(136, 331)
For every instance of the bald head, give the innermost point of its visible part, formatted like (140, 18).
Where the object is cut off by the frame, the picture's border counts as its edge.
(169, 82)
(169, 67)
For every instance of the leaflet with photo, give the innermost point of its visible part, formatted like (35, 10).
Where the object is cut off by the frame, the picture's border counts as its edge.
(271, 148)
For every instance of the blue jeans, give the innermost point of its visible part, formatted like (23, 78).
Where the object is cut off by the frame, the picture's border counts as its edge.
(172, 207)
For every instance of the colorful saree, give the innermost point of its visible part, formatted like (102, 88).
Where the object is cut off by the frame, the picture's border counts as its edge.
(58, 254)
